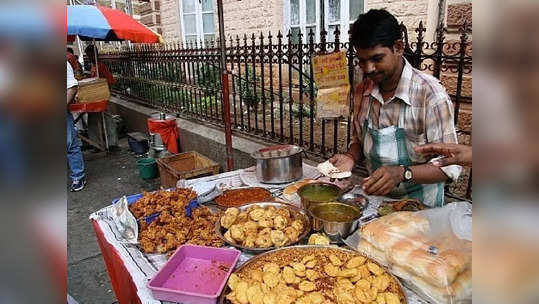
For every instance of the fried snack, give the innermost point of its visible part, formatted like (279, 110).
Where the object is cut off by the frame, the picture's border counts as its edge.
(271, 268)
(281, 283)
(280, 222)
(237, 233)
(263, 241)
(249, 240)
(292, 233)
(335, 260)
(278, 238)
(250, 227)
(173, 201)
(263, 227)
(318, 239)
(266, 223)
(256, 214)
(170, 230)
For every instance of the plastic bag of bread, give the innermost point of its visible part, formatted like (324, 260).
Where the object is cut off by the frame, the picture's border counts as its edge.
(430, 250)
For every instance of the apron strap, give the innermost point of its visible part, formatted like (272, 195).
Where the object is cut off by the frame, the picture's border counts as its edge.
(401, 114)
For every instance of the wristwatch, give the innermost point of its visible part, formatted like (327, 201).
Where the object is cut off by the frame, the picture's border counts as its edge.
(407, 175)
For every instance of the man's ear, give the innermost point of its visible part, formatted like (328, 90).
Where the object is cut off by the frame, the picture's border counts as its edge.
(398, 47)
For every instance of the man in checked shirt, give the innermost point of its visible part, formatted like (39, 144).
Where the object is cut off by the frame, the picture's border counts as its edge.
(396, 108)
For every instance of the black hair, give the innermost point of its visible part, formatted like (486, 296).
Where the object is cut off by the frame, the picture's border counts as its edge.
(91, 48)
(70, 50)
(376, 27)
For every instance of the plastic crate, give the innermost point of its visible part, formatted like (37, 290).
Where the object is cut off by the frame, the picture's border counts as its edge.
(185, 166)
(194, 274)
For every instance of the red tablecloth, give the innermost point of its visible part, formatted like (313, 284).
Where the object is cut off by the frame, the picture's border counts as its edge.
(122, 283)
(96, 106)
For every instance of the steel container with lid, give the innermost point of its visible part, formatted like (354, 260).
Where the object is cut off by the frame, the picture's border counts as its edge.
(156, 142)
(279, 164)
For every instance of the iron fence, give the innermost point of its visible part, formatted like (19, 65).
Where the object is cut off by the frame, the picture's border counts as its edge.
(272, 90)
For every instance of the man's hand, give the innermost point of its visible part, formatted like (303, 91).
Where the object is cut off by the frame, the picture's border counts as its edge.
(71, 94)
(454, 154)
(343, 162)
(383, 180)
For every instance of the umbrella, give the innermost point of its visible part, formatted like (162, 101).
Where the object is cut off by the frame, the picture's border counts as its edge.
(91, 22)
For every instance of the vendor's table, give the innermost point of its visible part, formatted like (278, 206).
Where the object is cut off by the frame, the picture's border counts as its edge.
(96, 117)
(129, 269)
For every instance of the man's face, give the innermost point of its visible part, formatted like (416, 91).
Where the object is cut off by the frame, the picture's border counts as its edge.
(379, 63)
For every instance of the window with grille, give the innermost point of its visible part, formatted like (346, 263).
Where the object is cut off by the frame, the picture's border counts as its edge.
(306, 15)
(197, 21)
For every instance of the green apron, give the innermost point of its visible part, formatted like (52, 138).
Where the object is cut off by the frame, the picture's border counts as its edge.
(388, 147)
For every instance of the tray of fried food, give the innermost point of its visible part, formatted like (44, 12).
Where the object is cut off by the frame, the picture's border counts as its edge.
(263, 226)
(312, 274)
(173, 229)
(151, 203)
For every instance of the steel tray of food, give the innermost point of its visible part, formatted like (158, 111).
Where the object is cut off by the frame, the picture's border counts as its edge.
(242, 196)
(312, 274)
(264, 226)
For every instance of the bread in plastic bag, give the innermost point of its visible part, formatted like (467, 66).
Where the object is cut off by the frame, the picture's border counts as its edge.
(431, 250)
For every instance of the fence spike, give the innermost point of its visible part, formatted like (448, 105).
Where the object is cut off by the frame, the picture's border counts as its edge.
(337, 34)
(464, 32)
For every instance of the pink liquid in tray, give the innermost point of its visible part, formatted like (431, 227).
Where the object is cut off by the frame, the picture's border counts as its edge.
(198, 275)
(194, 275)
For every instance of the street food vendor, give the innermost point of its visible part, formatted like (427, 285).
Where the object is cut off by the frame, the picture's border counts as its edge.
(92, 53)
(396, 108)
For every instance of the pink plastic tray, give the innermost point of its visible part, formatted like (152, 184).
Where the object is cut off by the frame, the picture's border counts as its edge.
(194, 274)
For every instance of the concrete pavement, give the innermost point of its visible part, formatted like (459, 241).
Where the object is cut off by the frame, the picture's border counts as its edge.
(109, 176)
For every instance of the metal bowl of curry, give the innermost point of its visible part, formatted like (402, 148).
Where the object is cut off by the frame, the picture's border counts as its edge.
(336, 219)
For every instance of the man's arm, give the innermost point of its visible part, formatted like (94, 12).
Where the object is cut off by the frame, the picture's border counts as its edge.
(387, 178)
(454, 154)
(71, 93)
(439, 128)
(346, 161)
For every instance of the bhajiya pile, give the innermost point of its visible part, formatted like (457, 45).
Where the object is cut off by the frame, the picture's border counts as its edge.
(262, 227)
(172, 227)
(170, 230)
(174, 200)
(314, 275)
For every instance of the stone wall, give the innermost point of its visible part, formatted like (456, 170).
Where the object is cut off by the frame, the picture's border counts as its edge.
(170, 20)
(255, 16)
(251, 16)
(410, 12)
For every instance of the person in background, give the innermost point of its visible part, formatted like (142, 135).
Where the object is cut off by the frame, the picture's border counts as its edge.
(92, 53)
(396, 107)
(72, 59)
(75, 64)
(454, 154)
(74, 154)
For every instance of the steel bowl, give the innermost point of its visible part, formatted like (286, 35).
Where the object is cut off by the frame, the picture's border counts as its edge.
(295, 212)
(226, 289)
(325, 217)
(318, 189)
(354, 199)
(279, 164)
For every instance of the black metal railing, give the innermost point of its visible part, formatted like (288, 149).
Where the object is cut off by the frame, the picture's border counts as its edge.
(272, 91)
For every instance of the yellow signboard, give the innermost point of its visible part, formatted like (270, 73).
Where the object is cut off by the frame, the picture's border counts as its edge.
(331, 77)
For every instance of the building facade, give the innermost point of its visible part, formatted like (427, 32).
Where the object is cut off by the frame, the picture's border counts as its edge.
(190, 20)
